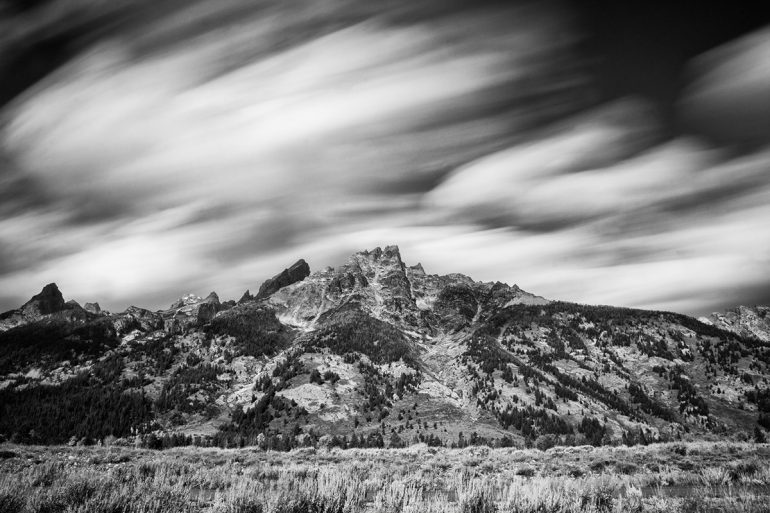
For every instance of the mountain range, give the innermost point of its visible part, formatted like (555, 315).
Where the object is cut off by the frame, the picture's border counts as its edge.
(378, 353)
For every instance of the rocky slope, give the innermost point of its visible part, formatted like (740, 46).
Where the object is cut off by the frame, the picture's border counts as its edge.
(377, 352)
(745, 321)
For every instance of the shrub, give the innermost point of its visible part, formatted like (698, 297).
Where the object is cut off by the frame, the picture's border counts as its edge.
(11, 502)
(679, 449)
(525, 472)
(479, 502)
(315, 377)
(243, 505)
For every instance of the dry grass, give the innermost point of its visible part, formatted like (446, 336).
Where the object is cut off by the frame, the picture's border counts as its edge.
(695, 477)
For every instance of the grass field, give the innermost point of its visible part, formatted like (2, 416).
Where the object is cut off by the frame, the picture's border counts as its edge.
(692, 477)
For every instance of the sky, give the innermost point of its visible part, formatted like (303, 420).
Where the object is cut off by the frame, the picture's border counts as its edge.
(593, 151)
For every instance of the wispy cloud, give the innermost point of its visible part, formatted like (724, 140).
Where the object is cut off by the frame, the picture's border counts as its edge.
(277, 124)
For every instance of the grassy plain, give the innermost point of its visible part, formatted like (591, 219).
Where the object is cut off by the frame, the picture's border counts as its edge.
(689, 477)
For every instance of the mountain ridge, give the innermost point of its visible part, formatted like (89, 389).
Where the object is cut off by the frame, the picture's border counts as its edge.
(386, 354)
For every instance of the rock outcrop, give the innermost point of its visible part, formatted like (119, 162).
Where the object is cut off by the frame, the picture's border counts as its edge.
(93, 308)
(135, 318)
(745, 321)
(297, 272)
(208, 308)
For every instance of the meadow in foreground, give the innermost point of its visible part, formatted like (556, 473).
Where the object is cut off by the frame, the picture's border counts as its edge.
(694, 477)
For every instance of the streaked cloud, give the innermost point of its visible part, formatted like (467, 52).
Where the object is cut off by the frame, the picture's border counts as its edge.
(171, 155)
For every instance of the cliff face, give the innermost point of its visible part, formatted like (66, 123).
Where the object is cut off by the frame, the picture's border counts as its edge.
(389, 352)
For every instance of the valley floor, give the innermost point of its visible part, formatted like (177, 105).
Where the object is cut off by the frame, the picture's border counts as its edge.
(692, 477)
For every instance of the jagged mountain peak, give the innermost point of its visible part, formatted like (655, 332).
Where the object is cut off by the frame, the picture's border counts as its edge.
(375, 279)
(48, 304)
(376, 343)
(247, 296)
(380, 283)
(48, 301)
(368, 260)
(50, 290)
(390, 251)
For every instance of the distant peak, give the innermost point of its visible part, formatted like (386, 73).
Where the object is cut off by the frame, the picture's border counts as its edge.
(93, 308)
(186, 300)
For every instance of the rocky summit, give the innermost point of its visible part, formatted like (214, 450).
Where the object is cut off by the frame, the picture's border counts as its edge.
(376, 352)
(49, 300)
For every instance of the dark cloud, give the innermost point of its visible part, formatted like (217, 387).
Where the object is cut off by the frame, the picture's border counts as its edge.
(37, 37)
(19, 193)
(643, 48)
(728, 98)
